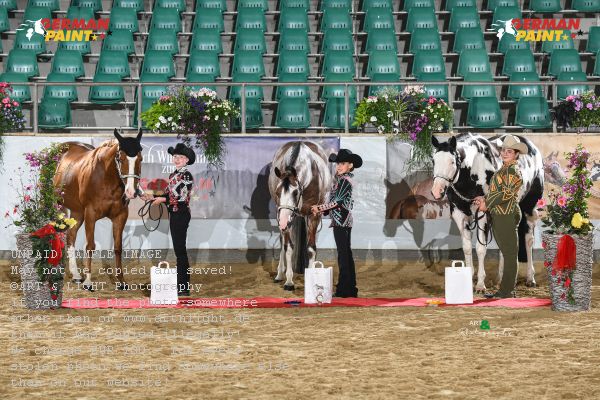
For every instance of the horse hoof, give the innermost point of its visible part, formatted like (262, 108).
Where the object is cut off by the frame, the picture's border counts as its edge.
(80, 280)
(288, 287)
(88, 288)
(531, 284)
(277, 280)
(123, 286)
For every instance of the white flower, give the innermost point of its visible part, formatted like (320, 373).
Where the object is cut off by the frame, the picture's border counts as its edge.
(439, 128)
(442, 119)
(158, 125)
(385, 96)
(396, 122)
(170, 104)
(390, 114)
(170, 119)
(422, 115)
(434, 115)
(439, 106)
(217, 117)
(226, 114)
(373, 119)
(396, 130)
(380, 128)
(162, 119)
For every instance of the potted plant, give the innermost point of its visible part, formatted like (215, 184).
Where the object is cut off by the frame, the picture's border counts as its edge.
(580, 112)
(11, 115)
(197, 116)
(408, 115)
(42, 224)
(568, 240)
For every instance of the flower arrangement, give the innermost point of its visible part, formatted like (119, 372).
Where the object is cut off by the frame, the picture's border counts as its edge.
(580, 111)
(198, 114)
(408, 115)
(11, 115)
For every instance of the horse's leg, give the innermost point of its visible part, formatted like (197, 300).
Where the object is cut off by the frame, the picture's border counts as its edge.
(118, 224)
(281, 265)
(71, 237)
(461, 221)
(313, 225)
(289, 269)
(529, 248)
(90, 246)
(481, 251)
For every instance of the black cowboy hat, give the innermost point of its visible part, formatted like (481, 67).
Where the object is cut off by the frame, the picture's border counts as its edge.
(345, 155)
(183, 150)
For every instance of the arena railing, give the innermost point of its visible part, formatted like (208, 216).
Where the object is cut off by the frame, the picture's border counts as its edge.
(37, 86)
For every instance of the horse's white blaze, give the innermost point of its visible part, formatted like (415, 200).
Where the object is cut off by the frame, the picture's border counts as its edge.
(443, 166)
(129, 187)
(73, 262)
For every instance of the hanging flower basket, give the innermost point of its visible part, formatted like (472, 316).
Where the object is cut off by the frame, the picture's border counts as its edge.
(570, 289)
(39, 294)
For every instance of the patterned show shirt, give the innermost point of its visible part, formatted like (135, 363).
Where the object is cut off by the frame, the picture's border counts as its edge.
(502, 198)
(179, 190)
(340, 202)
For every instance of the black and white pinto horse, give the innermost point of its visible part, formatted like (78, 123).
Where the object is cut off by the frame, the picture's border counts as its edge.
(302, 178)
(463, 168)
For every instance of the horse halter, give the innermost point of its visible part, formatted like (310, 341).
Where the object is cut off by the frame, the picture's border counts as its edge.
(295, 209)
(453, 179)
(122, 176)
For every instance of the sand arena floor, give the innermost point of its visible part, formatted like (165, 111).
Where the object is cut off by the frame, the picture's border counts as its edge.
(332, 353)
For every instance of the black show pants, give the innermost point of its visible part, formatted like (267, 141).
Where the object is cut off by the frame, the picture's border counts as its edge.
(179, 222)
(346, 286)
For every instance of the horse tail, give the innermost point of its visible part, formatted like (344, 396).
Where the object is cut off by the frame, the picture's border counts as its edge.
(523, 228)
(300, 252)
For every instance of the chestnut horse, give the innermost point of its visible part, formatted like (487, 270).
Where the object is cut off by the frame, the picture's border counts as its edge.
(98, 183)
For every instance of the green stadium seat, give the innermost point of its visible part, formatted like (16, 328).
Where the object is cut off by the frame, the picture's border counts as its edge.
(369, 4)
(335, 115)
(179, 5)
(515, 92)
(251, 18)
(19, 93)
(82, 46)
(36, 44)
(261, 4)
(463, 17)
(425, 39)
(206, 40)
(429, 62)
(158, 63)
(408, 4)
(520, 60)
(493, 4)
(8, 5)
(470, 91)
(77, 12)
(254, 95)
(381, 39)
(421, 18)
(383, 66)
(548, 46)
(450, 4)
(292, 113)
(338, 40)
(346, 4)
(303, 4)
(435, 90)
(506, 13)
(597, 65)
(123, 18)
(484, 113)
(113, 62)
(106, 94)
(587, 6)
(201, 5)
(334, 19)
(571, 90)
(166, 18)
(509, 42)
(294, 18)
(94, 5)
(293, 65)
(468, 39)
(68, 62)
(203, 66)
(545, 6)
(119, 40)
(146, 104)
(533, 113)
(293, 40)
(35, 13)
(292, 91)
(564, 61)
(67, 92)
(52, 5)
(248, 63)
(338, 66)
(250, 40)
(254, 117)
(593, 43)
(378, 18)
(137, 5)
(473, 61)
(23, 62)
(54, 114)
(252, 92)
(209, 18)
(338, 91)
(163, 40)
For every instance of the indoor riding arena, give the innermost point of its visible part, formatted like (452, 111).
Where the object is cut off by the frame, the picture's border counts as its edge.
(302, 199)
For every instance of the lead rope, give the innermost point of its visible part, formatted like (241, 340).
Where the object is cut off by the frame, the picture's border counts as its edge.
(486, 228)
(145, 211)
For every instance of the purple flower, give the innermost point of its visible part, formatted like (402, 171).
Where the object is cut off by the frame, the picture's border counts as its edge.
(590, 106)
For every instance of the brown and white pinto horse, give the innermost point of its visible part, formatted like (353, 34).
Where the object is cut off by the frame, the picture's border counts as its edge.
(98, 183)
(301, 179)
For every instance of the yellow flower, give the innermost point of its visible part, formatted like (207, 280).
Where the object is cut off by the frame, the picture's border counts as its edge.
(586, 221)
(577, 221)
(72, 222)
(61, 216)
(62, 226)
(53, 223)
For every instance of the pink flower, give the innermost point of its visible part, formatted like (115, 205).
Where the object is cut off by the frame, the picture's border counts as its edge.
(541, 203)
(561, 201)
(570, 98)
(27, 198)
(15, 103)
(5, 100)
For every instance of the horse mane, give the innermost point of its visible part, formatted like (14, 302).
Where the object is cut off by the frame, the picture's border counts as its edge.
(294, 155)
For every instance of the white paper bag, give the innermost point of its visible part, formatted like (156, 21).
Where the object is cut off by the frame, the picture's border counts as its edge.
(163, 282)
(459, 284)
(318, 284)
